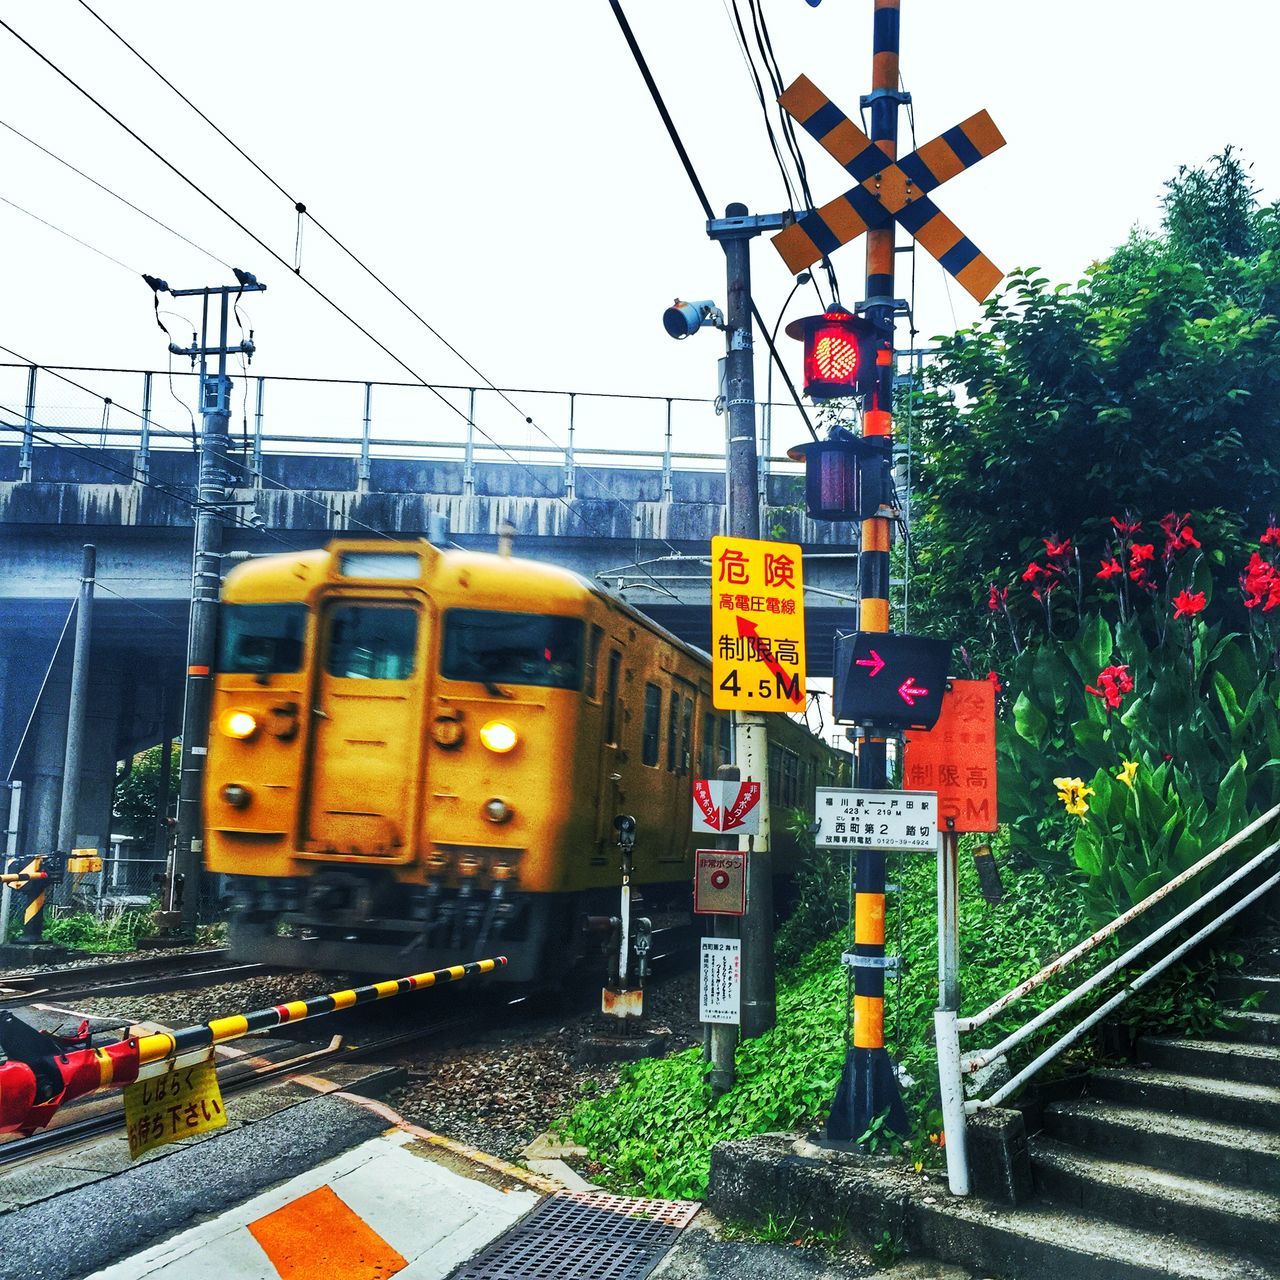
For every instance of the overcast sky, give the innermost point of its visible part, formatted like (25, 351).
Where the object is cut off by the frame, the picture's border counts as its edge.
(501, 164)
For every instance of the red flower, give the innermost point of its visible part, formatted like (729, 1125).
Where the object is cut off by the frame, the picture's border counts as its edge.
(997, 598)
(1126, 528)
(1142, 578)
(1113, 683)
(1110, 568)
(1178, 534)
(1187, 604)
(995, 680)
(1034, 571)
(1271, 538)
(1261, 584)
(1057, 550)
(1142, 551)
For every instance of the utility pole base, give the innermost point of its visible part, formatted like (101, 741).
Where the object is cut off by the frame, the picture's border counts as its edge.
(868, 1088)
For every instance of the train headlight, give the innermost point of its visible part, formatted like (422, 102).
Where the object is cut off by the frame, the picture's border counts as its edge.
(498, 810)
(236, 796)
(499, 736)
(238, 724)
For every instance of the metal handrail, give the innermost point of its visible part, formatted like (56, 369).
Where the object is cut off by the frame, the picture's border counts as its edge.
(948, 1026)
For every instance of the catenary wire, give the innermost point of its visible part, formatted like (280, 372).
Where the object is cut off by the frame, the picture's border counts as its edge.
(84, 244)
(346, 315)
(115, 195)
(302, 212)
(151, 613)
(656, 94)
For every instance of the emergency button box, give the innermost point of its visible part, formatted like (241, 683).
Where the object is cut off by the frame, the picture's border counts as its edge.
(720, 882)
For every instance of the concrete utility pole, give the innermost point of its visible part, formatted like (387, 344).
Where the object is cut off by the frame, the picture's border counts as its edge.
(759, 1001)
(182, 904)
(77, 707)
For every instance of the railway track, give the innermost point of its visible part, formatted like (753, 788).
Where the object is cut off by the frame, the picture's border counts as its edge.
(126, 977)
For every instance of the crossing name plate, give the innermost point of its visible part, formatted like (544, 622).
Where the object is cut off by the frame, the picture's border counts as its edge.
(905, 820)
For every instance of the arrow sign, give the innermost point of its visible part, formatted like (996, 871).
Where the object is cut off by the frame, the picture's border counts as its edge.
(763, 652)
(706, 803)
(908, 691)
(726, 807)
(875, 662)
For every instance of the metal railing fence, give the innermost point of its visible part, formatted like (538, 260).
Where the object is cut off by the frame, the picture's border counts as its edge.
(954, 1065)
(140, 411)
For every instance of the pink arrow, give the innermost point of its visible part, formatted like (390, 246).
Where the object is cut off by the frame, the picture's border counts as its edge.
(875, 662)
(908, 691)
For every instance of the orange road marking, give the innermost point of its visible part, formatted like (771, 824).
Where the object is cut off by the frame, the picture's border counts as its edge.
(318, 1237)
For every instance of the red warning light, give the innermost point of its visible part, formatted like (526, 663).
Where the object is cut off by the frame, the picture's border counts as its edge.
(838, 353)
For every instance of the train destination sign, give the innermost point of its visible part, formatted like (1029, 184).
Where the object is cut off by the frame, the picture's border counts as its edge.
(757, 625)
(848, 819)
(890, 681)
(726, 807)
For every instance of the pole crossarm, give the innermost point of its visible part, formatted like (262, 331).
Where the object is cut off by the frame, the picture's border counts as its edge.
(888, 189)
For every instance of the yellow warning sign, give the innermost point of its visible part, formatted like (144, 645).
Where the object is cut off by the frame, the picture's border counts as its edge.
(178, 1104)
(757, 625)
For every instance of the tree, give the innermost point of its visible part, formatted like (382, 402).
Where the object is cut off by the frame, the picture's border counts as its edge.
(134, 805)
(1152, 385)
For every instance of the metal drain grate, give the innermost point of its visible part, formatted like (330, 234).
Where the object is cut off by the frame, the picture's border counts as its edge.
(584, 1235)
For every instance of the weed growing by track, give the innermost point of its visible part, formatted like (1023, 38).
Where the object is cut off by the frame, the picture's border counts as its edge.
(654, 1133)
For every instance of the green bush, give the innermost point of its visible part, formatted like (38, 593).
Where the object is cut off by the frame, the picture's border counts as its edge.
(117, 929)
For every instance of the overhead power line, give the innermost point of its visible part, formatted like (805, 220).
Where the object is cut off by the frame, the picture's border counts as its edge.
(320, 293)
(62, 231)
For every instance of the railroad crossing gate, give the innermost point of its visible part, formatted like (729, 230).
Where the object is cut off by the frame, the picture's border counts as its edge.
(888, 189)
(757, 625)
(957, 757)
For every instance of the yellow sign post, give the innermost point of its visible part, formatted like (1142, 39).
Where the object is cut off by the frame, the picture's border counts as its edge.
(184, 1101)
(757, 625)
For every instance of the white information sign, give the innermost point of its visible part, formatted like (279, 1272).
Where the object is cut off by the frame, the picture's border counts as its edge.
(906, 820)
(720, 981)
(726, 808)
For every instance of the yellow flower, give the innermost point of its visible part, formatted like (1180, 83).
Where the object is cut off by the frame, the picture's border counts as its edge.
(1072, 792)
(1128, 770)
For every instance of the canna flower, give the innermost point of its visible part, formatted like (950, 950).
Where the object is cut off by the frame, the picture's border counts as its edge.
(1113, 683)
(994, 679)
(1271, 538)
(1178, 534)
(1128, 771)
(997, 598)
(1260, 583)
(1140, 552)
(1057, 550)
(1187, 604)
(1072, 793)
(1110, 569)
(1034, 572)
(1127, 528)
(1142, 578)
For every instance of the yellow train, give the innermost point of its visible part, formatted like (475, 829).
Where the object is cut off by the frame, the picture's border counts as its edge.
(416, 757)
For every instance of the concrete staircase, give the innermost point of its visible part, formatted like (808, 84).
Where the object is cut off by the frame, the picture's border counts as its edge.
(1183, 1146)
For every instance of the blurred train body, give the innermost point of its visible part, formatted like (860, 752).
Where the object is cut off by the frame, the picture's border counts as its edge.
(416, 757)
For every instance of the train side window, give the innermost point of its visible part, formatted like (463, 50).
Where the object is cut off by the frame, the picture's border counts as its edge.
(372, 642)
(707, 757)
(611, 721)
(652, 724)
(262, 638)
(593, 661)
(673, 713)
(686, 736)
(726, 740)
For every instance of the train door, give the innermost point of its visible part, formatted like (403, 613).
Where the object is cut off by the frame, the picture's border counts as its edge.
(612, 755)
(365, 766)
(679, 762)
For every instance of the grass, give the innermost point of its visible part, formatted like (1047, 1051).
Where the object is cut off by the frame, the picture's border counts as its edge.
(117, 929)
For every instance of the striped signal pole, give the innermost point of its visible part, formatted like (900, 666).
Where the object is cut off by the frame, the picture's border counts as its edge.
(869, 1087)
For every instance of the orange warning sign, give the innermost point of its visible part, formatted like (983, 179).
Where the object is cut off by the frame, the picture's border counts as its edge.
(957, 758)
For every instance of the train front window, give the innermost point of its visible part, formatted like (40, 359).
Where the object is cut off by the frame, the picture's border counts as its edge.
(512, 648)
(260, 638)
(371, 642)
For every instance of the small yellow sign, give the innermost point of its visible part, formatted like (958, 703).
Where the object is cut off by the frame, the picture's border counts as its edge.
(178, 1104)
(757, 625)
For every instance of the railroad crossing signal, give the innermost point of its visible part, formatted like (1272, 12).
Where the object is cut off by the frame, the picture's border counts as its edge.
(888, 189)
(890, 681)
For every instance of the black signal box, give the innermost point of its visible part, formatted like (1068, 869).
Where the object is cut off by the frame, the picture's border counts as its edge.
(890, 681)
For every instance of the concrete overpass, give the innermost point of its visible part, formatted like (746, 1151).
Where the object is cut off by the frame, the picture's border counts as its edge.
(641, 526)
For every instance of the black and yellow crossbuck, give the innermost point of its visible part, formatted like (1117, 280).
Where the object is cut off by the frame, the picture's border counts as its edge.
(888, 189)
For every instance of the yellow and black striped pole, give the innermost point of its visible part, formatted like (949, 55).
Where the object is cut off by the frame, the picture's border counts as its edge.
(868, 1086)
(35, 881)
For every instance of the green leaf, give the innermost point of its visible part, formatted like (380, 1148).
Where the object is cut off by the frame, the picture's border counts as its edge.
(1030, 721)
